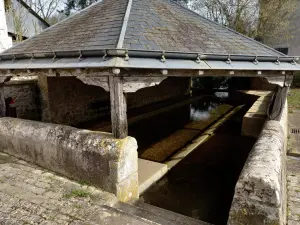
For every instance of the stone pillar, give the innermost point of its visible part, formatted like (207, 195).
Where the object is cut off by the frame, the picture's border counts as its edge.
(5, 40)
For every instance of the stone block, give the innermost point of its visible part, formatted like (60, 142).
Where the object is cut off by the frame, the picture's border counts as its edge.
(253, 124)
(94, 157)
(149, 173)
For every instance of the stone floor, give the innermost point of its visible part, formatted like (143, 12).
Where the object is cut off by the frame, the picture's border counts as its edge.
(294, 134)
(293, 189)
(30, 195)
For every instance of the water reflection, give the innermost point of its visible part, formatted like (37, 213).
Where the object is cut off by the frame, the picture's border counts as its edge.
(202, 110)
(222, 94)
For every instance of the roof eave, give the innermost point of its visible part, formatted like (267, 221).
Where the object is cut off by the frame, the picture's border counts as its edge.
(146, 64)
(147, 54)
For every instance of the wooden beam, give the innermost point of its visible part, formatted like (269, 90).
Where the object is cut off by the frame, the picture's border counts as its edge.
(96, 81)
(118, 107)
(201, 73)
(133, 84)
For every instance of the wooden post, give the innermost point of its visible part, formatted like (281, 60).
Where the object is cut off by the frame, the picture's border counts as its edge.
(2, 101)
(118, 107)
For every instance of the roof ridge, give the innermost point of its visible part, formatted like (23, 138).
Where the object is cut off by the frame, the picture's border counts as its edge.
(124, 25)
(234, 31)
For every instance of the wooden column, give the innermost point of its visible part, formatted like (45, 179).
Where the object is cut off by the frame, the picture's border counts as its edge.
(2, 101)
(118, 107)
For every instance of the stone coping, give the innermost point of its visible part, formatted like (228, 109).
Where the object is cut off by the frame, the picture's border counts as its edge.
(256, 116)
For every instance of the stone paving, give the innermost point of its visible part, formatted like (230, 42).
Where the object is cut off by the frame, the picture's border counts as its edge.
(31, 195)
(293, 189)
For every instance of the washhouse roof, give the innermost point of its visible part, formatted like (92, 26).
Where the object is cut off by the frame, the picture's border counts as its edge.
(152, 25)
(124, 33)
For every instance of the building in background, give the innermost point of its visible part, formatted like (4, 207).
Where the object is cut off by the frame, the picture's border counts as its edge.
(18, 23)
(5, 40)
(289, 44)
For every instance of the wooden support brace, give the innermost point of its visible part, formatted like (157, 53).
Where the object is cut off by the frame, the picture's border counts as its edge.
(118, 107)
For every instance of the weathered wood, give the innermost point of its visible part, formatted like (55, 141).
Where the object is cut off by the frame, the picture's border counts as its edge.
(202, 73)
(93, 72)
(130, 84)
(118, 107)
(2, 101)
(96, 81)
(133, 84)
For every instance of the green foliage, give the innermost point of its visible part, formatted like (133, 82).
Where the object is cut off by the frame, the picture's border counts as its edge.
(294, 99)
(7, 4)
(77, 193)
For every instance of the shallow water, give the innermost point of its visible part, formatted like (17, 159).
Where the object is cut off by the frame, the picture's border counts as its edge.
(158, 128)
(202, 185)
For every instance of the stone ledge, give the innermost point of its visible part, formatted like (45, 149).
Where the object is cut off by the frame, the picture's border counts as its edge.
(94, 157)
(256, 116)
(260, 193)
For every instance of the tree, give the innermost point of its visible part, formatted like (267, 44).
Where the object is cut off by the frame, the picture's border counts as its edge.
(240, 15)
(260, 19)
(16, 19)
(7, 4)
(275, 20)
(76, 5)
(57, 17)
(45, 8)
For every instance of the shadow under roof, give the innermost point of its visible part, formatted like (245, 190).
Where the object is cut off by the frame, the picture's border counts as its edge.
(160, 25)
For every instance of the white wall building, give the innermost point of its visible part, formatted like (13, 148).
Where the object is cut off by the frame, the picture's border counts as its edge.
(5, 40)
(19, 21)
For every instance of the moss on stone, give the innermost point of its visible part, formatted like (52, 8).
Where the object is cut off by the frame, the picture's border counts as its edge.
(77, 193)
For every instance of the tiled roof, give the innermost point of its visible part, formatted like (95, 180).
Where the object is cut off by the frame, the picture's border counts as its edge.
(152, 25)
(96, 27)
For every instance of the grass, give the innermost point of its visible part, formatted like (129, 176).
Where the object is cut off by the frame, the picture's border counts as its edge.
(84, 182)
(77, 193)
(294, 100)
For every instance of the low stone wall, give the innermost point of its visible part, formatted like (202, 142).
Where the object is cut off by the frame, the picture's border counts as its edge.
(94, 157)
(260, 193)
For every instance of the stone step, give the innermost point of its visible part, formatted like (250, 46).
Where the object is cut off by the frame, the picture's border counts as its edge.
(156, 215)
(116, 216)
(170, 215)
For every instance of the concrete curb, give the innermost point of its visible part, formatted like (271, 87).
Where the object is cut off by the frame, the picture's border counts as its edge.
(94, 157)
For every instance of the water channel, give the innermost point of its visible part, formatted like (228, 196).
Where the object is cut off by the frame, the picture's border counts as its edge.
(202, 184)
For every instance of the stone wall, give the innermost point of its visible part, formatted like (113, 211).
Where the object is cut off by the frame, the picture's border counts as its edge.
(260, 193)
(94, 157)
(172, 87)
(70, 101)
(67, 100)
(26, 96)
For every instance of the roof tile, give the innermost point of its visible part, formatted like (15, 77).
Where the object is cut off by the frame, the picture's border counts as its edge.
(173, 27)
(98, 26)
(153, 25)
